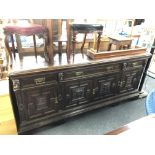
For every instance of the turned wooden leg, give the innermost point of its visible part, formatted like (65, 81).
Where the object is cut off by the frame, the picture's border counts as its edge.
(84, 40)
(13, 46)
(109, 47)
(129, 45)
(35, 49)
(60, 47)
(46, 54)
(8, 50)
(118, 46)
(74, 42)
(98, 41)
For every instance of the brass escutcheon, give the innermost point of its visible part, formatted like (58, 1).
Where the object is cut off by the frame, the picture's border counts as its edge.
(39, 81)
(79, 73)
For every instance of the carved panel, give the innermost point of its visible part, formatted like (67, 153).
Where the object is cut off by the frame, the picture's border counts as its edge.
(78, 92)
(105, 86)
(131, 80)
(40, 100)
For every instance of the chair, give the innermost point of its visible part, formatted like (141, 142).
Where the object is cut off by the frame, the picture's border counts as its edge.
(24, 30)
(150, 103)
(85, 29)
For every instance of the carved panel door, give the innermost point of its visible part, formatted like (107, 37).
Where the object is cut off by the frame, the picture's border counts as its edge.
(131, 75)
(130, 80)
(105, 86)
(40, 100)
(77, 92)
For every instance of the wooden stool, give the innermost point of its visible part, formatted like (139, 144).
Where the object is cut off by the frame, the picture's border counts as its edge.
(120, 42)
(25, 30)
(86, 28)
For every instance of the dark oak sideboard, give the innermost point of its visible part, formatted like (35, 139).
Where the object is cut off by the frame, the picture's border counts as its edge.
(42, 96)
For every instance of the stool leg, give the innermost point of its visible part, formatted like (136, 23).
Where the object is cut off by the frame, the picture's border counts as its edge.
(35, 49)
(46, 54)
(74, 44)
(60, 47)
(8, 50)
(13, 46)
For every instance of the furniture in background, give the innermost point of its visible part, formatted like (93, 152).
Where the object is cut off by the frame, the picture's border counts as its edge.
(144, 126)
(56, 34)
(25, 30)
(120, 42)
(85, 28)
(45, 95)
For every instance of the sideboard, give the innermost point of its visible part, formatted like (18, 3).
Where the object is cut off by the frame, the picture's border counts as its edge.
(42, 96)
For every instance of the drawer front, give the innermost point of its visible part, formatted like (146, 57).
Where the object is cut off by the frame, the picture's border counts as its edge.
(36, 80)
(91, 71)
(133, 65)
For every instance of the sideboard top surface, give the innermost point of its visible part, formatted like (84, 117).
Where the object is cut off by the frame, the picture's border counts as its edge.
(81, 63)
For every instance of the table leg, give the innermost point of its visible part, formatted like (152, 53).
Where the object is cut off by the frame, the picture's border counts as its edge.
(84, 40)
(98, 41)
(109, 48)
(35, 49)
(129, 45)
(118, 46)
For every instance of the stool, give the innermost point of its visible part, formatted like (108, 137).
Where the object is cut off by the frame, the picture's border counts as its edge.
(86, 28)
(25, 30)
(120, 42)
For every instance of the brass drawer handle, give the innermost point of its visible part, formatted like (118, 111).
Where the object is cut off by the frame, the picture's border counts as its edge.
(79, 73)
(39, 81)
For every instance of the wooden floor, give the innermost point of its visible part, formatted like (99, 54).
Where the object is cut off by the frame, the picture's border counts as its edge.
(7, 122)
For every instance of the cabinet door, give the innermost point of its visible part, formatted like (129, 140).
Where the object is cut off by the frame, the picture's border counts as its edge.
(130, 80)
(40, 100)
(77, 92)
(105, 86)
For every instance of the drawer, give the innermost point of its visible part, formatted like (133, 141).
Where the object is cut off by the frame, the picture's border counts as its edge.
(133, 65)
(35, 80)
(88, 71)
